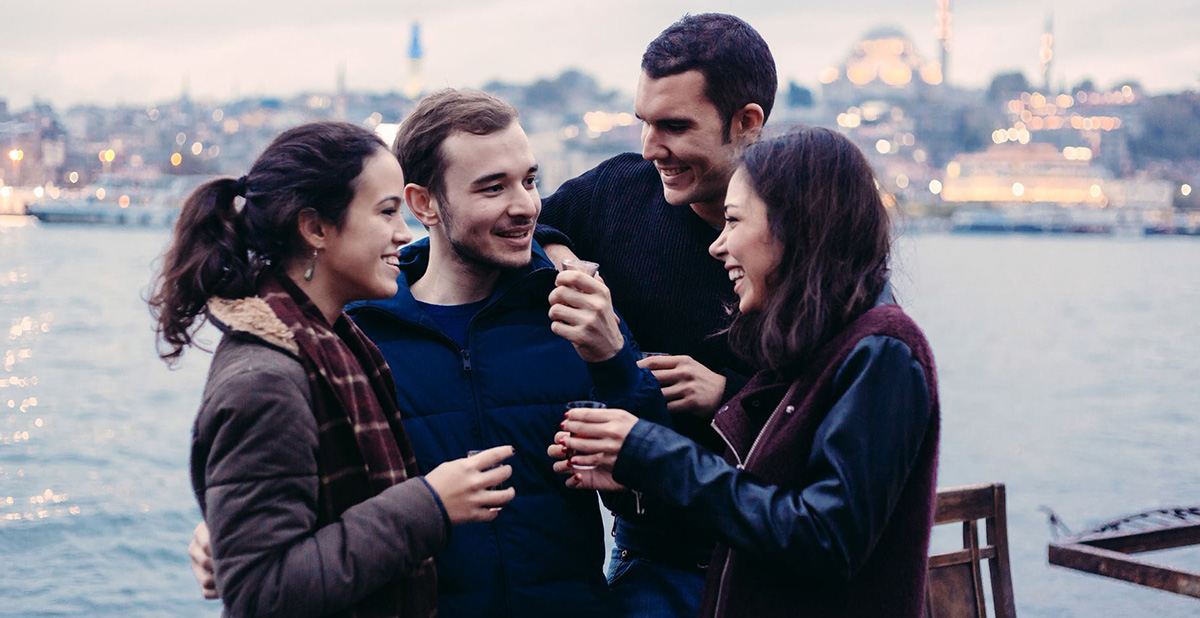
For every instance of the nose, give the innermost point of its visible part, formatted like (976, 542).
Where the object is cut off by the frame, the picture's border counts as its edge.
(717, 248)
(653, 148)
(525, 204)
(402, 235)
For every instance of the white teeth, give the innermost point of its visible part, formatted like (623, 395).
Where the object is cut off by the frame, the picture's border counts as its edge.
(669, 173)
(736, 274)
(515, 234)
(392, 260)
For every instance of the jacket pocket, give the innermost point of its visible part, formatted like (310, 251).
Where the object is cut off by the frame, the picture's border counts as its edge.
(622, 560)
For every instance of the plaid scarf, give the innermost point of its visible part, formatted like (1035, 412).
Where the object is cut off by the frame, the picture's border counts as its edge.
(363, 448)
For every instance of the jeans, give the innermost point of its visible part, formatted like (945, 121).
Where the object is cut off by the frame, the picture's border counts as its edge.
(643, 588)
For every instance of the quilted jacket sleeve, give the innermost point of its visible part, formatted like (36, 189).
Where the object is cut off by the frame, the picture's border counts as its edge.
(255, 465)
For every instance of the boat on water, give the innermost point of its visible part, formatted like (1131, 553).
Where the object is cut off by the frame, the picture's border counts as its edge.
(1054, 219)
(96, 212)
(1038, 189)
(90, 211)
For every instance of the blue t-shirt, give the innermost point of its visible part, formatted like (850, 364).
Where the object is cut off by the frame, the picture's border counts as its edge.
(453, 319)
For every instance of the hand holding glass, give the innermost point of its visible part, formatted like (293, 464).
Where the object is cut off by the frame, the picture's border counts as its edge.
(588, 268)
(581, 404)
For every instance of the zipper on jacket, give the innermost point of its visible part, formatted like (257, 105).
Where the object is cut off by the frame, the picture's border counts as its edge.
(741, 465)
(466, 359)
(728, 443)
(721, 582)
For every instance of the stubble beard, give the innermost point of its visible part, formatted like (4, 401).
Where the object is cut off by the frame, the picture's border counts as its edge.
(465, 252)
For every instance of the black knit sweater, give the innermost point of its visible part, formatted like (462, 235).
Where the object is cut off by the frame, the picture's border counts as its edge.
(654, 257)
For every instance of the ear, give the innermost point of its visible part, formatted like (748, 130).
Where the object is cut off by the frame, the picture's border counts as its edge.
(746, 125)
(423, 204)
(314, 230)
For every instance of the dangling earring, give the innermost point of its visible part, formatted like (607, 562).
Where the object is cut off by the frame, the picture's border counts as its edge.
(308, 274)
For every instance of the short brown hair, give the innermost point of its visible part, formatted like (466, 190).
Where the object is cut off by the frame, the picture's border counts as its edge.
(418, 144)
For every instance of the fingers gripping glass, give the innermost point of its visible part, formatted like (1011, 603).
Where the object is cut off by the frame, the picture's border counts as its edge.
(493, 487)
(588, 268)
(581, 404)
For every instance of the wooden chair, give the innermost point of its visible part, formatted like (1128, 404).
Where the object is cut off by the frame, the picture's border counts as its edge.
(955, 585)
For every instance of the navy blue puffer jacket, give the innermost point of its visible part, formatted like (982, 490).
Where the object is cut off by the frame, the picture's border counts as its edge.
(543, 555)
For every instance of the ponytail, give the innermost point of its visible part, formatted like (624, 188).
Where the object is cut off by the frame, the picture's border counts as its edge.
(221, 250)
(207, 257)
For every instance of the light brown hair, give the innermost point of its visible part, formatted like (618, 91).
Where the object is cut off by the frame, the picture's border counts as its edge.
(418, 144)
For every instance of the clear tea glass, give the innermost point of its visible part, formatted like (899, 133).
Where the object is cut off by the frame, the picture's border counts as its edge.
(582, 404)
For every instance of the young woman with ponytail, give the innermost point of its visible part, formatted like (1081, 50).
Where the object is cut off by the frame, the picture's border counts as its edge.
(299, 460)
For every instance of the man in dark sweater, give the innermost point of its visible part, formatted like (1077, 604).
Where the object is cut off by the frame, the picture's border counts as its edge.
(707, 86)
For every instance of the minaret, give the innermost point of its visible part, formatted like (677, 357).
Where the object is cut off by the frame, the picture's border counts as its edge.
(339, 104)
(945, 34)
(1046, 53)
(415, 53)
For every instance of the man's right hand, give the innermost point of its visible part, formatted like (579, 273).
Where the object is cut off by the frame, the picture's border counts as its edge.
(465, 485)
(581, 312)
(200, 552)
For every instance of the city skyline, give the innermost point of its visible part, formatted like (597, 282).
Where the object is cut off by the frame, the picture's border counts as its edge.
(121, 52)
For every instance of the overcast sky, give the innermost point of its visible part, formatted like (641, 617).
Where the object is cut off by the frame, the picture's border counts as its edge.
(72, 51)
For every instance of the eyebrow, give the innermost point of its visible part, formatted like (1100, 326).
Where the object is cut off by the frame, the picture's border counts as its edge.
(390, 198)
(661, 121)
(483, 180)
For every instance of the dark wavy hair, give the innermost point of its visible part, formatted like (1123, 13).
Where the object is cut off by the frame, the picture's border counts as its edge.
(221, 250)
(737, 65)
(825, 210)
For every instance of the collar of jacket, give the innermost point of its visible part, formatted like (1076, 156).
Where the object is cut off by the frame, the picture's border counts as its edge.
(743, 417)
(527, 285)
(252, 318)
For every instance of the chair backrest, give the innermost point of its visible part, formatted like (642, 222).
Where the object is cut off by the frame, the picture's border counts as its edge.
(955, 586)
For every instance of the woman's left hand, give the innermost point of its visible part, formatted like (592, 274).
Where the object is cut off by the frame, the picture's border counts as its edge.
(597, 435)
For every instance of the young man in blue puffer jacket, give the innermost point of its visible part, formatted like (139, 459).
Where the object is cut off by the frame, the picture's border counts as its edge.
(487, 343)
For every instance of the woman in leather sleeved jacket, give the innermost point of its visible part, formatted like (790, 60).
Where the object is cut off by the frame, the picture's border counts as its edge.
(823, 501)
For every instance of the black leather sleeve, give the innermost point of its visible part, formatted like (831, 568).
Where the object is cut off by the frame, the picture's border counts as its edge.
(861, 458)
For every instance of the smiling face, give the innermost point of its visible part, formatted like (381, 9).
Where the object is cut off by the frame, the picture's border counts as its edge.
(750, 252)
(360, 259)
(490, 201)
(683, 134)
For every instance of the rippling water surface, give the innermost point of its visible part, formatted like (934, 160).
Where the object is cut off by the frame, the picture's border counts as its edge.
(1069, 370)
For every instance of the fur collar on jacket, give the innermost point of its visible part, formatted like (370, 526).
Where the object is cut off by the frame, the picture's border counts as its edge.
(252, 316)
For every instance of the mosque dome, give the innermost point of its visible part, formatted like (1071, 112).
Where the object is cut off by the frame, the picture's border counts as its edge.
(884, 57)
